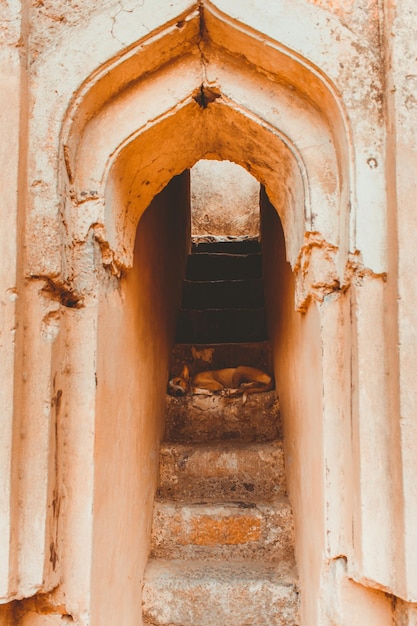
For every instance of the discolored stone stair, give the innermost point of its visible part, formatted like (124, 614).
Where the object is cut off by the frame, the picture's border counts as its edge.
(210, 593)
(226, 530)
(206, 470)
(222, 547)
(216, 418)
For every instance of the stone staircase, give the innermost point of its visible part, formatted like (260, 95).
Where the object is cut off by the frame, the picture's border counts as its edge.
(222, 548)
(222, 297)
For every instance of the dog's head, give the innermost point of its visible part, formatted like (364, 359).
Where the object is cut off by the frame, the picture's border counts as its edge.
(180, 385)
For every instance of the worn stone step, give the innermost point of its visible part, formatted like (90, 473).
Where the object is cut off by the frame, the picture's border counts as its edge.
(198, 418)
(218, 325)
(220, 244)
(201, 357)
(198, 593)
(222, 470)
(223, 530)
(219, 266)
(223, 294)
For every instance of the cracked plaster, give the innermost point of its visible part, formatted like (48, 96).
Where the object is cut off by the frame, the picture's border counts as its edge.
(67, 42)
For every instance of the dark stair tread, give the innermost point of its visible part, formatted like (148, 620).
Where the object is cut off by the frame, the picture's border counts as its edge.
(207, 266)
(237, 293)
(218, 325)
(244, 246)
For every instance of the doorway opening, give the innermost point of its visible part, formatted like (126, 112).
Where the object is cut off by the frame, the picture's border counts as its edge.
(224, 202)
(298, 151)
(221, 508)
(222, 295)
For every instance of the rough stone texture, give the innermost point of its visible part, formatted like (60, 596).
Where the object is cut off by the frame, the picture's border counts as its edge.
(212, 212)
(205, 522)
(231, 470)
(214, 417)
(223, 531)
(239, 594)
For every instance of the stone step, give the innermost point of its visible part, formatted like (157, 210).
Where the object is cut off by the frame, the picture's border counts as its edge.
(221, 325)
(229, 246)
(223, 294)
(198, 418)
(219, 266)
(223, 531)
(201, 357)
(222, 470)
(198, 593)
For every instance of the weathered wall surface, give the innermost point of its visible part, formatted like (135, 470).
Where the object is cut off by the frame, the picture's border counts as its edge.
(102, 106)
(224, 200)
(312, 371)
(136, 327)
(402, 186)
(297, 366)
(10, 128)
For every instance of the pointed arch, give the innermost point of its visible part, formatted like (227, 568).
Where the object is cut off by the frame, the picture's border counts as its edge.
(139, 121)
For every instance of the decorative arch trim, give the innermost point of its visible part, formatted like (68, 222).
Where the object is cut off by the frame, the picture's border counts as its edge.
(206, 86)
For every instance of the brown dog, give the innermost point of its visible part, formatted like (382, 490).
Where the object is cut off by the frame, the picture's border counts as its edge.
(233, 381)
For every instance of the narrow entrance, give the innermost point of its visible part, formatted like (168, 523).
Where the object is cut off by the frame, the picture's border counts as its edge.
(222, 545)
(122, 144)
(222, 295)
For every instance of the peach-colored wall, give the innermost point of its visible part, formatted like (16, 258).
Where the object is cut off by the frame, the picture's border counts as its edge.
(295, 340)
(13, 133)
(361, 107)
(401, 317)
(312, 358)
(6, 614)
(135, 334)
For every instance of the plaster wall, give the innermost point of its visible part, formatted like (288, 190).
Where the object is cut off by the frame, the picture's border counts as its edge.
(12, 108)
(311, 359)
(6, 614)
(406, 614)
(353, 603)
(401, 18)
(341, 80)
(136, 327)
(295, 341)
(102, 531)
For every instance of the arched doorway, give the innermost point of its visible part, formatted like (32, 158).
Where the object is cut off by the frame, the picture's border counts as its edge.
(128, 135)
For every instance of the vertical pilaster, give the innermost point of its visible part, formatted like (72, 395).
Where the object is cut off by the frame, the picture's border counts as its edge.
(10, 119)
(401, 45)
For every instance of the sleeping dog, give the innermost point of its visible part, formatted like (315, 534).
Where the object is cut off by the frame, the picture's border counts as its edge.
(231, 381)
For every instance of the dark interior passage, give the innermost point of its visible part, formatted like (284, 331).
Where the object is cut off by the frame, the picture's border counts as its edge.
(222, 297)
